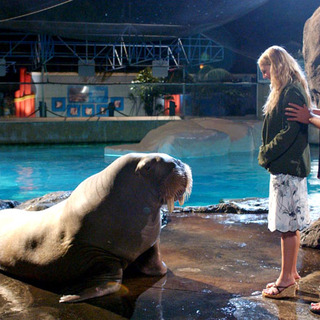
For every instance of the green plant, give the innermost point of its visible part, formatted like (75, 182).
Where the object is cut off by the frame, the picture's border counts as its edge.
(145, 87)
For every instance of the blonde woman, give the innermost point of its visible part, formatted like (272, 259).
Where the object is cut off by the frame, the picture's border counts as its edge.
(285, 154)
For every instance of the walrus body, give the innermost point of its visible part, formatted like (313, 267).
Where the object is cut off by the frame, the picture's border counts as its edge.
(111, 220)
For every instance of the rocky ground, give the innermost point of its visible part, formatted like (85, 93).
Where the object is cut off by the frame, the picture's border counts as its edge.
(219, 259)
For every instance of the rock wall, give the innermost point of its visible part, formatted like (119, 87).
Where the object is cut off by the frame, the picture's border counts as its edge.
(310, 237)
(311, 54)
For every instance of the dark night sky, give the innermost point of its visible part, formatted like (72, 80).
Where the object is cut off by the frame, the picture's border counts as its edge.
(274, 23)
(244, 27)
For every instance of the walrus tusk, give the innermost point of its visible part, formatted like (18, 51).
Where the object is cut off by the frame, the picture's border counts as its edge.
(181, 200)
(170, 204)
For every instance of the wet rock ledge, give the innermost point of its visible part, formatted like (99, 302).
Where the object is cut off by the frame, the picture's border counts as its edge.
(36, 204)
(238, 206)
(310, 237)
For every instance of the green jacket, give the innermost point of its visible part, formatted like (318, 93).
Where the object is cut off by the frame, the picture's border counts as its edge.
(285, 147)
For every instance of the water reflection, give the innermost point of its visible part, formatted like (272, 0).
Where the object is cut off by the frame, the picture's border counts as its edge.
(25, 178)
(19, 302)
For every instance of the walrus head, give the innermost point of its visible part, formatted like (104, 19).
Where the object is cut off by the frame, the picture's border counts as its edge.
(174, 177)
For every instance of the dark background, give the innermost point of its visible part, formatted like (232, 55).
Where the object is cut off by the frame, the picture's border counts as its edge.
(244, 27)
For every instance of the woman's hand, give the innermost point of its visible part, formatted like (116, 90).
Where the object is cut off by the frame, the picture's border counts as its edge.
(261, 158)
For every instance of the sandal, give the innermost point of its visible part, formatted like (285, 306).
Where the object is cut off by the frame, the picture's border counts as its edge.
(273, 284)
(282, 292)
(316, 311)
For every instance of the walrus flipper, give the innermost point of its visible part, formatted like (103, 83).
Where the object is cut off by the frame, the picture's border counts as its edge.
(93, 292)
(97, 286)
(150, 262)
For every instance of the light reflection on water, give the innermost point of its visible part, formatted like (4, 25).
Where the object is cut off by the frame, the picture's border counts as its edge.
(30, 171)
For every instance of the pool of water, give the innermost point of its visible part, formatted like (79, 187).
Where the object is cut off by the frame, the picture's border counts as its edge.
(27, 172)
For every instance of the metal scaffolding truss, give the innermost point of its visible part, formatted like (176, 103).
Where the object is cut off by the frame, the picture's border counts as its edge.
(182, 51)
(37, 51)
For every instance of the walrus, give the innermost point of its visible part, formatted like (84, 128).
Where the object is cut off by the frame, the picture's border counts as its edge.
(111, 220)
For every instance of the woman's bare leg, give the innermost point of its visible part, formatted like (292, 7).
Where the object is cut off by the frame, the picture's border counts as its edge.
(290, 242)
(294, 267)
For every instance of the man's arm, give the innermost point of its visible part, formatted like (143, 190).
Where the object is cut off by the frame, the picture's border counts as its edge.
(298, 113)
(315, 120)
(303, 114)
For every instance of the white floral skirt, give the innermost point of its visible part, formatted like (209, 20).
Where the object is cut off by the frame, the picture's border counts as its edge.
(288, 203)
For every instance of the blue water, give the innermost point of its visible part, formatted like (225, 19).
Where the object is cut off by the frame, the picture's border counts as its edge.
(27, 172)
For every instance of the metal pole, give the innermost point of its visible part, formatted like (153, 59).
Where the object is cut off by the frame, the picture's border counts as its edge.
(42, 109)
(184, 92)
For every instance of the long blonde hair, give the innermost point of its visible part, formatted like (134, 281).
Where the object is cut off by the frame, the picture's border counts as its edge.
(284, 69)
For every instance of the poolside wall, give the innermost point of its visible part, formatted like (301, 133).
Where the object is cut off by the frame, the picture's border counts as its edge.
(80, 130)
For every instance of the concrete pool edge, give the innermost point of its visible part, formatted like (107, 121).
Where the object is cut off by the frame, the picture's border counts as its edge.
(91, 130)
(78, 130)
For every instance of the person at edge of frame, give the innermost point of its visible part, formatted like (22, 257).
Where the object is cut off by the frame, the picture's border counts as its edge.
(303, 114)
